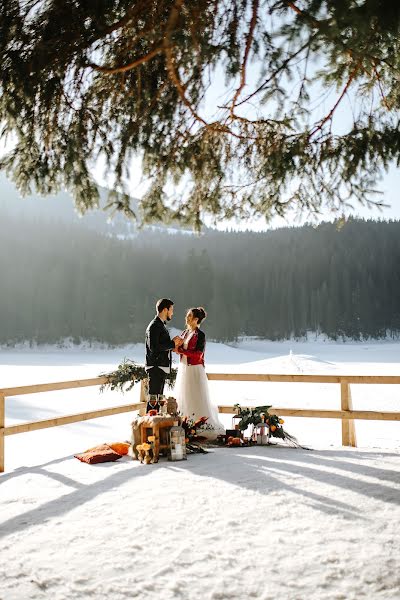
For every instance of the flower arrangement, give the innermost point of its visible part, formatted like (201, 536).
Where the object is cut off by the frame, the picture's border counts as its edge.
(258, 414)
(191, 426)
(193, 430)
(127, 374)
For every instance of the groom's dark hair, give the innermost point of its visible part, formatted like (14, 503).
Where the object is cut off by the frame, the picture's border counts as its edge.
(163, 303)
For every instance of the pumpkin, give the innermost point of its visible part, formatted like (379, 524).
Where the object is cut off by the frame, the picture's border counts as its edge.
(234, 441)
(120, 447)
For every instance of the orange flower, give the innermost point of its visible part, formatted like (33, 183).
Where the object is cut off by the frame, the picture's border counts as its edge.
(273, 428)
(281, 421)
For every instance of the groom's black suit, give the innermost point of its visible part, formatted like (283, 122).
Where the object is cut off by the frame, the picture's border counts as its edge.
(158, 354)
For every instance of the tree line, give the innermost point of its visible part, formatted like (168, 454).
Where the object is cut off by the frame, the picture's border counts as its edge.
(61, 281)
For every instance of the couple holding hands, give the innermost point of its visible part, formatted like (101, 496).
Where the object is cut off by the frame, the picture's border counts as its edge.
(191, 387)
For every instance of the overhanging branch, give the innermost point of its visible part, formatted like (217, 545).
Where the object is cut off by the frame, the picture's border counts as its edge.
(329, 116)
(249, 41)
(129, 66)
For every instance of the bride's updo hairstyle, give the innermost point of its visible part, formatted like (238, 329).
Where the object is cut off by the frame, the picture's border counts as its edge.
(199, 313)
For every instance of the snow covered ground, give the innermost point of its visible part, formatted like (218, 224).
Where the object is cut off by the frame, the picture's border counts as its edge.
(269, 522)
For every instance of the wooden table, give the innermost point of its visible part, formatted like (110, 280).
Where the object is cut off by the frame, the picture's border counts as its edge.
(157, 426)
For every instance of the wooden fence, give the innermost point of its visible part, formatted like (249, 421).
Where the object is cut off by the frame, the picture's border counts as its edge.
(346, 412)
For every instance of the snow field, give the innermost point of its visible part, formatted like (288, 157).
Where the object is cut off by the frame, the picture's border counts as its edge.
(264, 523)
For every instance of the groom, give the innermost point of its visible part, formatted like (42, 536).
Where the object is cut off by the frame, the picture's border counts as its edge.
(159, 346)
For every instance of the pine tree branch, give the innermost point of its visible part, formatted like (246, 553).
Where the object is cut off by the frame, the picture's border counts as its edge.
(249, 41)
(172, 20)
(384, 99)
(315, 23)
(130, 14)
(235, 117)
(127, 67)
(170, 59)
(276, 72)
(174, 76)
(329, 116)
(180, 87)
(350, 52)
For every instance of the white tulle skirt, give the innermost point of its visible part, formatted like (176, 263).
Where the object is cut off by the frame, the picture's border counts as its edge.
(193, 398)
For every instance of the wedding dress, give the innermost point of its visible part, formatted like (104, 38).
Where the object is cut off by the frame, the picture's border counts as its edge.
(193, 396)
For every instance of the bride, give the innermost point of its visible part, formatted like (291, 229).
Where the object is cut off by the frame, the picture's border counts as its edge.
(191, 388)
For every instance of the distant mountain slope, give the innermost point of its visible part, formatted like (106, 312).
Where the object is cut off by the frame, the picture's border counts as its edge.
(60, 207)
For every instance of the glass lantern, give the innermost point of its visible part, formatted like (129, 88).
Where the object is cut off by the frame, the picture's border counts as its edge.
(261, 434)
(177, 445)
(235, 431)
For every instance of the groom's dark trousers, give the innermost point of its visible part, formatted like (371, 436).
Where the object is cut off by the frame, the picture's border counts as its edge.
(158, 354)
(156, 380)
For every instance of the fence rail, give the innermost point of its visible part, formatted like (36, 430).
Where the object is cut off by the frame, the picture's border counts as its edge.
(346, 412)
(367, 379)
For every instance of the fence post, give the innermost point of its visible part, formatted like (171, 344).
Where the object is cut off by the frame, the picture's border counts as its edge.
(348, 427)
(143, 397)
(2, 424)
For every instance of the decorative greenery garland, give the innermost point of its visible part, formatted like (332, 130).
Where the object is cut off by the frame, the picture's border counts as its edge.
(127, 374)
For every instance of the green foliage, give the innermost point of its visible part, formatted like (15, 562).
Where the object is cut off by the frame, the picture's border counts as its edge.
(127, 374)
(113, 79)
(257, 414)
(251, 416)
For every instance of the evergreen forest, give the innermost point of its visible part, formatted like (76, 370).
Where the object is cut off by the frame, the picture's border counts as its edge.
(60, 280)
